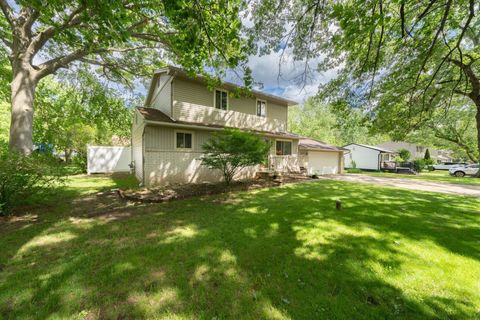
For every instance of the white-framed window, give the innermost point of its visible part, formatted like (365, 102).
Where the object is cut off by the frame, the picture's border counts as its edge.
(283, 147)
(183, 140)
(261, 108)
(220, 99)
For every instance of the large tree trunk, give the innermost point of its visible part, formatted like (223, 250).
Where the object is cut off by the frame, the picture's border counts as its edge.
(23, 95)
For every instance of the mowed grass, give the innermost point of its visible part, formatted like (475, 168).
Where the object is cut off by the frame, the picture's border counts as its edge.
(433, 176)
(280, 253)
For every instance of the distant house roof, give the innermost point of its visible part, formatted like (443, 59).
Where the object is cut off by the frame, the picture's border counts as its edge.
(155, 115)
(227, 85)
(311, 144)
(382, 150)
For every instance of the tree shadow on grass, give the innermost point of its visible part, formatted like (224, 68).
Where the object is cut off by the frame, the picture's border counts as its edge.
(272, 254)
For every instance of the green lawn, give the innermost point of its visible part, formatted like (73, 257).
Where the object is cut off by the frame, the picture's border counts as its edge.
(435, 176)
(281, 253)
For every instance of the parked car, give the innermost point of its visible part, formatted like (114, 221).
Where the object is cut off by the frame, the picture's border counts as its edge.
(470, 170)
(448, 165)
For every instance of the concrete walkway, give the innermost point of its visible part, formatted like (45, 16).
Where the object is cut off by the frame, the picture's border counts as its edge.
(422, 185)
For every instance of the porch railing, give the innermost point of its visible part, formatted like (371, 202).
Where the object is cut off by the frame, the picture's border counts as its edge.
(291, 163)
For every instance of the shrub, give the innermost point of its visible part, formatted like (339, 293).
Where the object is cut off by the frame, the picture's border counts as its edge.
(232, 149)
(404, 154)
(419, 164)
(79, 161)
(24, 176)
(354, 164)
(354, 170)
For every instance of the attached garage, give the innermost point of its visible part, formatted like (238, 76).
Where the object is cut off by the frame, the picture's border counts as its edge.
(322, 158)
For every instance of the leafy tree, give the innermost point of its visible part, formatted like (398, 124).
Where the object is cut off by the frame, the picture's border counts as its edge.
(400, 60)
(404, 154)
(122, 38)
(314, 120)
(232, 150)
(65, 104)
(318, 120)
(452, 129)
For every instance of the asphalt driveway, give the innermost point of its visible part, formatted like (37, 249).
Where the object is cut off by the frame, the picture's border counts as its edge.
(459, 189)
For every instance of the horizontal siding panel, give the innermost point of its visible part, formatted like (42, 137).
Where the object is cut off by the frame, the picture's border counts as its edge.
(193, 102)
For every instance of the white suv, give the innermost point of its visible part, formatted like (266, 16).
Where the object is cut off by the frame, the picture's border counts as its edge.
(448, 165)
(470, 170)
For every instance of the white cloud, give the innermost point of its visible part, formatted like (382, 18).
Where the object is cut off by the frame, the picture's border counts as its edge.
(281, 75)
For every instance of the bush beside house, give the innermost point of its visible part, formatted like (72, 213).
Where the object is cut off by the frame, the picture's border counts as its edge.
(232, 150)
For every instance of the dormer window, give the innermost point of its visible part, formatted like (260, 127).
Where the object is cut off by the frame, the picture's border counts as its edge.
(221, 99)
(261, 108)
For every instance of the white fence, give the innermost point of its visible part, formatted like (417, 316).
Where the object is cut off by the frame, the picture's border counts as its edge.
(104, 159)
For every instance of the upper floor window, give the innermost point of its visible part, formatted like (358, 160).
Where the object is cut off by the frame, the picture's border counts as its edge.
(183, 140)
(221, 99)
(261, 108)
(283, 148)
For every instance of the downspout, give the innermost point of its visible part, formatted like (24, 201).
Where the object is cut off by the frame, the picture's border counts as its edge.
(143, 155)
(378, 162)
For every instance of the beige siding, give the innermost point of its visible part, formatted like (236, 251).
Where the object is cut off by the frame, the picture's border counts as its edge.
(166, 165)
(162, 95)
(276, 111)
(163, 138)
(194, 102)
(137, 145)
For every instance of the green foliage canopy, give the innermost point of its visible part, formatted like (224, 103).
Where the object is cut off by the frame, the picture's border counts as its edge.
(317, 120)
(400, 61)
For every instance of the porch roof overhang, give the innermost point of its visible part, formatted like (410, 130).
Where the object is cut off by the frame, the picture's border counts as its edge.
(156, 117)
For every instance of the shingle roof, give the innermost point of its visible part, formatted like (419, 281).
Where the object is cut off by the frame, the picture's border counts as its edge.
(371, 147)
(308, 143)
(152, 114)
(229, 85)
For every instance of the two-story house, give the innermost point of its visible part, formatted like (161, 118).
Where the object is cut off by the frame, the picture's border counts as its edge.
(181, 113)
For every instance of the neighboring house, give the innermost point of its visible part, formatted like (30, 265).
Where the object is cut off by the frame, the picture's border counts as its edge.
(418, 151)
(368, 157)
(180, 114)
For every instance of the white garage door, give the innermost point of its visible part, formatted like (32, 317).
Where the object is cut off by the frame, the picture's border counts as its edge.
(320, 162)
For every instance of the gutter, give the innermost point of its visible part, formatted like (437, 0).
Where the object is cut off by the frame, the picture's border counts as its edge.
(189, 126)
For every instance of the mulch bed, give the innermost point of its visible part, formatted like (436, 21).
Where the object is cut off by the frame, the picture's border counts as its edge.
(184, 191)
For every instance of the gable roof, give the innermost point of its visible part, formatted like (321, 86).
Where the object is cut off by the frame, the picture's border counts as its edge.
(382, 150)
(157, 116)
(178, 72)
(311, 144)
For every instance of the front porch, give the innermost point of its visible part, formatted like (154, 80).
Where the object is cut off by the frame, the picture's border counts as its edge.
(287, 163)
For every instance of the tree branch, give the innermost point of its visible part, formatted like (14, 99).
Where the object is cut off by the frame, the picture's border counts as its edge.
(434, 41)
(42, 37)
(377, 56)
(54, 64)
(8, 12)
